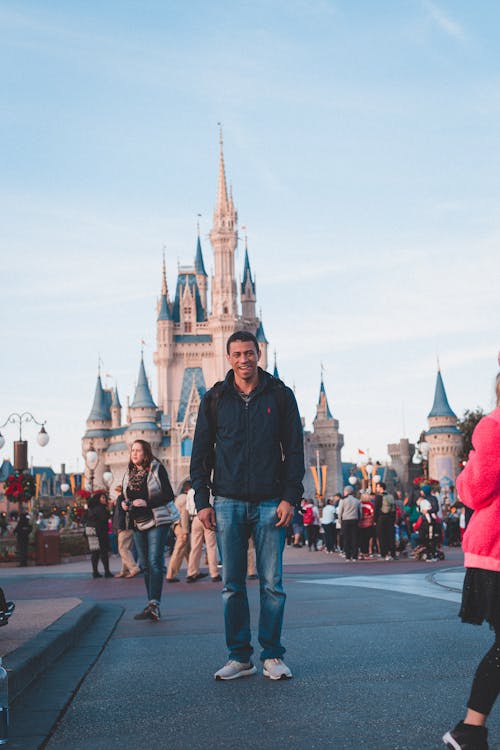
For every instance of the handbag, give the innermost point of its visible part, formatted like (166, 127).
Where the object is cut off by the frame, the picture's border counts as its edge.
(144, 523)
(164, 514)
(92, 538)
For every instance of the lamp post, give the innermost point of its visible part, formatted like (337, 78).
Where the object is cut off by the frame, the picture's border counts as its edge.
(91, 460)
(421, 455)
(21, 446)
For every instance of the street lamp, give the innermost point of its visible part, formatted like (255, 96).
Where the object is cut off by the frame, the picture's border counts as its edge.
(91, 459)
(108, 478)
(21, 446)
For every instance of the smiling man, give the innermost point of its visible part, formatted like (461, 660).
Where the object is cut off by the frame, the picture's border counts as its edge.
(248, 450)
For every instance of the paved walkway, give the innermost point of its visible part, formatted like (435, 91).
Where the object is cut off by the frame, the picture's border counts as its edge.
(35, 614)
(353, 632)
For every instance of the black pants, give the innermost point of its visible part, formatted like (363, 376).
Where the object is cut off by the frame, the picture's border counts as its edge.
(102, 552)
(312, 535)
(22, 550)
(329, 529)
(385, 533)
(350, 534)
(364, 539)
(486, 683)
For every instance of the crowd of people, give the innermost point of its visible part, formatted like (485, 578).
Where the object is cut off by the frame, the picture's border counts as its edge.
(367, 525)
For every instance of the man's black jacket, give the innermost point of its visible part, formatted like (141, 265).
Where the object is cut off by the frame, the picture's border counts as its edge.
(255, 448)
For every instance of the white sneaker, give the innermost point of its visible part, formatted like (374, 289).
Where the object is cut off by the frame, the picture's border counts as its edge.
(234, 669)
(276, 669)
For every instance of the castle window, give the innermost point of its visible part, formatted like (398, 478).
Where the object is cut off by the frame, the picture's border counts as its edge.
(187, 312)
(187, 327)
(186, 446)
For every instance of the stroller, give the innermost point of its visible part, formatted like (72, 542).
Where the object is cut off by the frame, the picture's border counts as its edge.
(430, 535)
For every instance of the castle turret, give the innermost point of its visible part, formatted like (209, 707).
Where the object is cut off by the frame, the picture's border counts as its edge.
(327, 443)
(143, 411)
(201, 274)
(116, 409)
(164, 342)
(98, 433)
(444, 438)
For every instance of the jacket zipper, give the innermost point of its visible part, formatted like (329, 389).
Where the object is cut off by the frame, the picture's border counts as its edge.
(247, 417)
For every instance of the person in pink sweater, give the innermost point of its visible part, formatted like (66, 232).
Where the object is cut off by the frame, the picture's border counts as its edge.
(479, 488)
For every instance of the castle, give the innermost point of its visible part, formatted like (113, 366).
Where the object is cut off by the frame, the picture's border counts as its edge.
(190, 357)
(444, 444)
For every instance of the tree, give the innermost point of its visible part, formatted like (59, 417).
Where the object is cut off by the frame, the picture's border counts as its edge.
(466, 425)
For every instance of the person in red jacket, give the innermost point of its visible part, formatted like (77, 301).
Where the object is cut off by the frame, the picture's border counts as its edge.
(479, 488)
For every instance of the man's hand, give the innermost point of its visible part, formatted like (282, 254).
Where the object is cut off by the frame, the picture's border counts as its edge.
(207, 517)
(284, 511)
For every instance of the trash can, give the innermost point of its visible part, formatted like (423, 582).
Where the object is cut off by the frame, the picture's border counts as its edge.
(48, 550)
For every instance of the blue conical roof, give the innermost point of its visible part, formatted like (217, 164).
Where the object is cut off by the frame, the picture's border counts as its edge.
(198, 260)
(275, 371)
(324, 400)
(164, 312)
(100, 407)
(260, 335)
(441, 407)
(116, 398)
(247, 274)
(142, 396)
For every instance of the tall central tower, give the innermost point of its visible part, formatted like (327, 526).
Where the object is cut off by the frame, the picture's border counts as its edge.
(224, 237)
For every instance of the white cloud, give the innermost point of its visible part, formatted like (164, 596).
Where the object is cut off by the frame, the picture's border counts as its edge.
(445, 22)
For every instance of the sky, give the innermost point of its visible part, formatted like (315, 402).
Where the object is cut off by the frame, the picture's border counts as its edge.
(362, 142)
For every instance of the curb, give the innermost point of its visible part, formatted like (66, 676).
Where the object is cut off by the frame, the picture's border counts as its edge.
(28, 661)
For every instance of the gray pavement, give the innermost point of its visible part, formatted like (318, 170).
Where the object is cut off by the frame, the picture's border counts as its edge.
(380, 660)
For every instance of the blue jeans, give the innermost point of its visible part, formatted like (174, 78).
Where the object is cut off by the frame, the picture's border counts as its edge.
(236, 521)
(150, 546)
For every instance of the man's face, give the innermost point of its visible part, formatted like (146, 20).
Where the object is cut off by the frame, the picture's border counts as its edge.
(243, 358)
(379, 489)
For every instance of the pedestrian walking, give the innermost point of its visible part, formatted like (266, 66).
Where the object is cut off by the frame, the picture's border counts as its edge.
(366, 524)
(182, 529)
(199, 535)
(349, 513)
(22, 532)
(125, 539)
(479, 488)
(96, 529)
(311, 524)
(250, 434)
(148, 498)
(385, 517)
(328, 523)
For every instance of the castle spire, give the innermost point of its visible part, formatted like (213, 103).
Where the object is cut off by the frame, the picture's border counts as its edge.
(142, 396)
(247, 273)
(199, 265)
(164, 287)
(323, 400)
(441, 407)
(222, 199)
(275, 371)
(164, 304)
(100, 407)
(224, 237)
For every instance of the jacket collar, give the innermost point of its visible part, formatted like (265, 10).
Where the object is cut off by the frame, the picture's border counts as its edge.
(265, 380)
